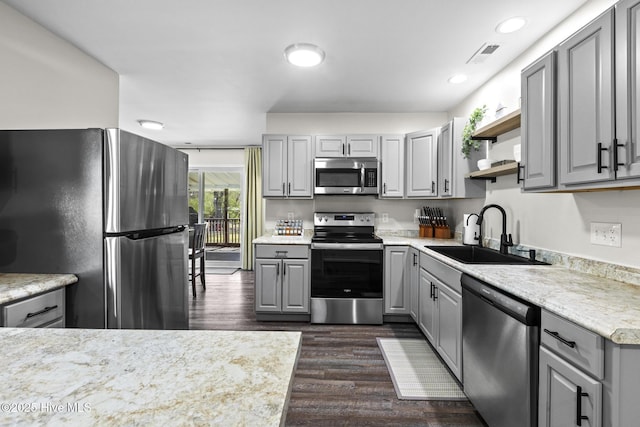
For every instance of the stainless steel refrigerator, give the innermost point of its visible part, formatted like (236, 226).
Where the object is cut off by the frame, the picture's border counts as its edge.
(108, 206)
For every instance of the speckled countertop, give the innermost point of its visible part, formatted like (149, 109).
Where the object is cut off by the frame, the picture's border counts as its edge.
(15, 286)
(607, 307)
(132, 377)
(610, 308)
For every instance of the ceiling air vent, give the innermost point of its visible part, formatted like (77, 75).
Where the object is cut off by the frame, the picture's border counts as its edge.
(483, 53)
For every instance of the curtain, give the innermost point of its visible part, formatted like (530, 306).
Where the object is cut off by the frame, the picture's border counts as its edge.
(253, 207)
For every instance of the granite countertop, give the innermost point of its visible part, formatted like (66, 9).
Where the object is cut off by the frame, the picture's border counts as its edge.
(607, 307)
(15, 286)
(116, 377)
(269, 239)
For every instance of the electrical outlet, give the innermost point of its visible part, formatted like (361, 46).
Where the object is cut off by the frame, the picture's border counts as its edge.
(385, 218)
(290, 215)
(606, 234)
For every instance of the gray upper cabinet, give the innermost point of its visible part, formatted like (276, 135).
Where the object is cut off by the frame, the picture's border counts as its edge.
(392, 165)
(346, 146)
(422, 163)
(586, 110)
(627, 90)
(452, 166)
(538, 121)
(287, 166)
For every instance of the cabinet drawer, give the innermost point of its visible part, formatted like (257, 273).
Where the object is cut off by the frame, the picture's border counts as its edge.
(579, 346)
(282, 251)
(442, 271)
(36, 311)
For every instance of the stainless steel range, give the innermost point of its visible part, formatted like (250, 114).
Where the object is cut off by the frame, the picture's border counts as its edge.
(346, 269)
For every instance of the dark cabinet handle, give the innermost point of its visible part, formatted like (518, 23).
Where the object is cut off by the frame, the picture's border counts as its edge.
(435, 293)
(277, 269)
(384, 188)
(283, 193)
(579, 396)
(431, 296)
(518, 178)
(433, 186)
(415, 260)
(289, 190)
(446, 185)
(43, 311)
(599, 157)
(616, 146)
(564, 341)
(343, 149)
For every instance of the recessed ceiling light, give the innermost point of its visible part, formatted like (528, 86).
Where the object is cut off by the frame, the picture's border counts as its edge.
(150, 124)
(458, 78)
(304, 54)
(510, 25)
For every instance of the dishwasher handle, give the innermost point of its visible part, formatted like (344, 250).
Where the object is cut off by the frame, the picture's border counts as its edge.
(515, 307)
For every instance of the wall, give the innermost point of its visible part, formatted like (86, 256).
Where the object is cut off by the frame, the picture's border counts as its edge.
(400, 212)
(46, 82)
(215, 157)
(559, 222)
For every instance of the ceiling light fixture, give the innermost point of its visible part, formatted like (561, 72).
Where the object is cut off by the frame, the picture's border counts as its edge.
(458, 78)
(150, 124)
(510, 25)
(304, 55)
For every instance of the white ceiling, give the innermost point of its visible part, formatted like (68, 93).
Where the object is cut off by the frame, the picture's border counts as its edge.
(212, 69)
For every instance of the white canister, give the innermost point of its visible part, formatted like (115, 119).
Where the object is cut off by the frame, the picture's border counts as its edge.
(471, 229)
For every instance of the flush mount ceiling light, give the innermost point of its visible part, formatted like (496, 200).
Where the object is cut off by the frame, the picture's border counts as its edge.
(150, 124)
(458, 78)
(304, 54)
(510, 25)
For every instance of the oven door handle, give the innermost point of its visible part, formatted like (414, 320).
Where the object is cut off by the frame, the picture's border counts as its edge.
(348, 246)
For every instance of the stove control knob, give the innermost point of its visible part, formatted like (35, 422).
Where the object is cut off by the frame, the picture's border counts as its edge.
(368, 219)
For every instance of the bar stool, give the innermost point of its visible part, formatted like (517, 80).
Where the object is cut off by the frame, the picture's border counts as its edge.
(196, 250)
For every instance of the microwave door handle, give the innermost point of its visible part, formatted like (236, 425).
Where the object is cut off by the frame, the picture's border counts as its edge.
(362, 170)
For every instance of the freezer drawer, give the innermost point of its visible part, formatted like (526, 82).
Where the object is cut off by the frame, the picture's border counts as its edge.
(146, 282)
(35, 312)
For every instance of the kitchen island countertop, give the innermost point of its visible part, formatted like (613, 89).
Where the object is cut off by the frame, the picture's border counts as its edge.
(16, 286)
(134, 377)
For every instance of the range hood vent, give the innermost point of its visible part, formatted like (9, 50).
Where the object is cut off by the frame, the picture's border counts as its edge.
(483, 53)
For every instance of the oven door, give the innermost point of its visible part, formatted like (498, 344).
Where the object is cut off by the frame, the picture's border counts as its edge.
(346, 270)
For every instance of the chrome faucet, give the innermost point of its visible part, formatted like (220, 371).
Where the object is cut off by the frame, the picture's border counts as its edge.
(505, 240)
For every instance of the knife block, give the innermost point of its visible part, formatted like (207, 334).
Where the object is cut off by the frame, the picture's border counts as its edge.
(442, 232)
(425, 230)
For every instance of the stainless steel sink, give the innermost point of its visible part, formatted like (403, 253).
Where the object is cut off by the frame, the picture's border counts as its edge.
(478, 255)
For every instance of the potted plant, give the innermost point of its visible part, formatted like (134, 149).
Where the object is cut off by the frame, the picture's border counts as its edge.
(467, 143)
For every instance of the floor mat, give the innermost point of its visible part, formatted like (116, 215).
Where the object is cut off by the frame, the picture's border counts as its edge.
(417, 373)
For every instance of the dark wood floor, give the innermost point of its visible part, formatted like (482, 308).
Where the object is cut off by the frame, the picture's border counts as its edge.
(341, 378)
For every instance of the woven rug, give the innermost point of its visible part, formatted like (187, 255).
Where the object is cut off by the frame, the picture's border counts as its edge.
(417, 373)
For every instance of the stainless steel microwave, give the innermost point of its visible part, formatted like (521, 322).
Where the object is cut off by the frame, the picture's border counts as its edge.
(346, 176)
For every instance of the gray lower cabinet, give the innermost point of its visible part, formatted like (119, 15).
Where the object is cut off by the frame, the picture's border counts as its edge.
(538, 120)
(45, 310)
(571, 370)
(396, 284)
(413, 269)
(440, 310)
(282, 283)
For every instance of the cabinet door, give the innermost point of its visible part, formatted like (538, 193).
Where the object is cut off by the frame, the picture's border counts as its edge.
(538, 119)
(331, 146)
(396, 288)
(392, 164)
(300, 166)
(295, 286)
(268, 290)
(426, 310)
(362, 145)
(562, 388)
(585, 91)
(445, 160)
(274, 165)
(627, 88)
(414, 279)
(422, 164)
(449, 324)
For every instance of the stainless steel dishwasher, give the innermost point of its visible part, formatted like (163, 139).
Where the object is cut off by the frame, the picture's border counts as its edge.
(500, 337)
